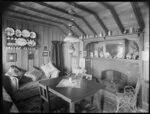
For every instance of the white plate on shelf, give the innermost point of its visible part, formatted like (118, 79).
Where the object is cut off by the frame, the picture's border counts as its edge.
(21, 42)
(18, 33)
(25, 33)
(9, 31)
(31, 43)
(32, 34)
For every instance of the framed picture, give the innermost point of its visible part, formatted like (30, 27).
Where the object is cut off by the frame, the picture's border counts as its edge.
(45, 53)
(30, 56)
(11, 57)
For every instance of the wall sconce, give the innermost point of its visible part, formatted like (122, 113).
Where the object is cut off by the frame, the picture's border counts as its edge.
(11, 57)
(45, 53)
(45, 48)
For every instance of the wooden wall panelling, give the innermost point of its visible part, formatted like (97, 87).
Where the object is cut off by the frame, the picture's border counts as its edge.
(41, 44)
(10, 23)
(44, 43)
(50, 42)
(24, 60)
(19, 51)
(36, 57)
(30, 61)
(3, 44)
(46, 39)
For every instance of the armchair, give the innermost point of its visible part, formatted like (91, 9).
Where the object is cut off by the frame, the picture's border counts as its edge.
(127, 101)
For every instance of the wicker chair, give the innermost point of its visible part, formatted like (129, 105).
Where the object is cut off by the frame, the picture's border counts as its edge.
(55, 104)
(127, 100)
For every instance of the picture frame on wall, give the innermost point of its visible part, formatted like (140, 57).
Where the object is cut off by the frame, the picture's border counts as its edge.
(45, 53)
(11, 57)
(31, 56)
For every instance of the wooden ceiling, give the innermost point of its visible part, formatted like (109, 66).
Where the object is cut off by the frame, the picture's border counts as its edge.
(90, 18)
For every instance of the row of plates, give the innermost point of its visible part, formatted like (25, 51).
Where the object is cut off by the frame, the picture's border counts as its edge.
(23, 42)
(25, 33)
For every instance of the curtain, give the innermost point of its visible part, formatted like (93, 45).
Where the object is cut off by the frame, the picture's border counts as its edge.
(58, 56)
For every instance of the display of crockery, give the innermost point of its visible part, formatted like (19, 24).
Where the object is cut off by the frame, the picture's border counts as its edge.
(9, 31)
(21, 42)
(96, 53)
(32, 34)
(31, 43)
(18, 33)
(25, 33)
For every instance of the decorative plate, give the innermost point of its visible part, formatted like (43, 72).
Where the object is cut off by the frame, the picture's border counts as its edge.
(32, 34)
(25, 33)
(31, 43)
(9, 31)
(21, 42)
(18, 33)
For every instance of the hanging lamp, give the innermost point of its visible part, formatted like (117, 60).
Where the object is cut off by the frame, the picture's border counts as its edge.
(70, 38)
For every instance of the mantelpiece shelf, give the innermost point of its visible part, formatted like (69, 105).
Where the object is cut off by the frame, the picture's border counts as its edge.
(94, 39)
(134, 35)
(109, 59)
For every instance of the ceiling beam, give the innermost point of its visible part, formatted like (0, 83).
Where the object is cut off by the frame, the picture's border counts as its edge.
(136, 10)
(66, 12)
(50, 14)
(84, 9)
(37, 17)
(35, 21)
(94, 14)
(115, 16)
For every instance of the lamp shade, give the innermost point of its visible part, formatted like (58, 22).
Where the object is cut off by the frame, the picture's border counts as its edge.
(71, 38)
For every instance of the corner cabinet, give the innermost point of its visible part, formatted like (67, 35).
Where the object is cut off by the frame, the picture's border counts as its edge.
(122, 48)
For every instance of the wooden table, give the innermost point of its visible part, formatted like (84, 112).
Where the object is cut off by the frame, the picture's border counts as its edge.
(73, 95)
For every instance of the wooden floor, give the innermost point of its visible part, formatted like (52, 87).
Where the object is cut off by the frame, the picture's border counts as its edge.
(107, 107)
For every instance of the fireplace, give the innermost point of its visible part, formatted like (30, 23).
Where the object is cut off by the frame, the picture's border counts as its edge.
(114, 82)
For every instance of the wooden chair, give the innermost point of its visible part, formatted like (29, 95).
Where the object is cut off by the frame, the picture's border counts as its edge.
(128, 99)
(44, 96)
(87, 104)
(55, 104)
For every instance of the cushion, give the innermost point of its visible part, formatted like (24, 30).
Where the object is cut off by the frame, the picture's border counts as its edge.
(39, 68)
(55, 73)
(48, 69)
(34, 74)
(15, 71)
(24, 80)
